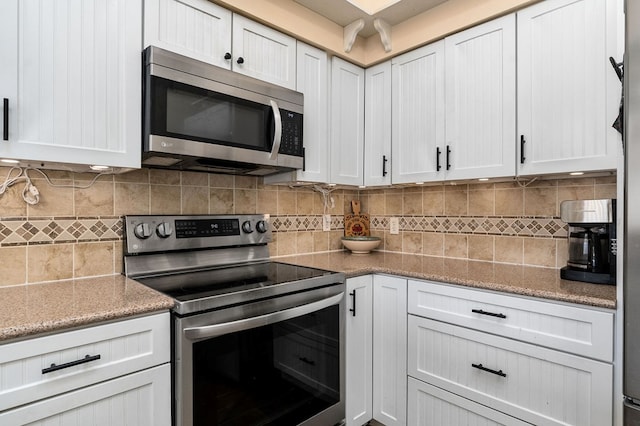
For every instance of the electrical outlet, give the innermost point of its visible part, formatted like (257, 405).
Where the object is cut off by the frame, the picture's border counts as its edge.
(326, 222)
(394, 226)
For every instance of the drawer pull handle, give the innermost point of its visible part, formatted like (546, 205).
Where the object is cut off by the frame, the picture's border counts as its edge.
(307, 360)
(84, 360)
(497, 373)
(491, 314)
(353, 310)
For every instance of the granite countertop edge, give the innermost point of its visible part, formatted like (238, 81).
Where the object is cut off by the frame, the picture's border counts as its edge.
(51, 313)
(595, 295)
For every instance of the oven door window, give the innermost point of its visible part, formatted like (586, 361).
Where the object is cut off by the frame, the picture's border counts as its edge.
(187, 112)
(279, 374)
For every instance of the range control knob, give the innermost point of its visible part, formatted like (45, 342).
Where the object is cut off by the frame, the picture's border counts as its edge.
(246, 227)
(262, 226)
(142, 231)
(164, 230)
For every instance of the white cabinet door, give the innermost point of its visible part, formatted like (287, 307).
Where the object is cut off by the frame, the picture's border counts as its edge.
(390, 350)
(568, 93)
(263, 53)
(428, 405)
(347, 123)
(71, 75)
(377, 120)
(481, 101)
(359, 363)
(418, 128)
(195, 28)
(140, 399)
(313, 81)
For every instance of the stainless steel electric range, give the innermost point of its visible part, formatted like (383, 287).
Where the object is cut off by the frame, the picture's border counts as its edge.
(255, 342)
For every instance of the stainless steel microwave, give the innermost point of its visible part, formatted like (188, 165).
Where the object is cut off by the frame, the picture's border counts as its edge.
(205, 118)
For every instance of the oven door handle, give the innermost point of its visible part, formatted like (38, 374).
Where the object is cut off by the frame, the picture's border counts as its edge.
(208, 331)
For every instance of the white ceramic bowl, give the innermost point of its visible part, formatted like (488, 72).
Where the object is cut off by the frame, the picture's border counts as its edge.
(361, 245)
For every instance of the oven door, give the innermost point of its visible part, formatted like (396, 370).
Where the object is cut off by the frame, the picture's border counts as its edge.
(273, 362)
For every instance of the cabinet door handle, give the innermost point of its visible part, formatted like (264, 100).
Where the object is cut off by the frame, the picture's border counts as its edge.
(353, 301)
(448, 155)
(5, 119)
(384, 165)
(491, 314)
(489, 370)
(304, 159)
(240, 60)
(227, 56)
(522, 142)
(438, 152)
(84, 360)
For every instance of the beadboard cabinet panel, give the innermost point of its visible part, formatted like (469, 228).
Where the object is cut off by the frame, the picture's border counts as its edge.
(481, 100)
(428, 405)
(347, 123)
(359, 362)
(574, 329)
(71, 74)
(140, 399)
(519, 379)
(568, 93)
(377, 120)
(418, 129)
(195, 28)
(266, 54)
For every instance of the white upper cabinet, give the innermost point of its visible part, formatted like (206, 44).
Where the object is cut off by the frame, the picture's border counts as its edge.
(418, 128)
(195, 28)
(313, 82)
(207, 32)
(481, 101)
(377, 120)
(347, 123)
(264, 53)
(568, 92)
(70, 75)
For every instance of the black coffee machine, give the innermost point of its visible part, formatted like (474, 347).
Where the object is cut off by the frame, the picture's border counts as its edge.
(592, 240)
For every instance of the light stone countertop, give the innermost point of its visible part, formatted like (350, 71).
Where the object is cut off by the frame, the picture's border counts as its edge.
(32, 309)
(518, 279)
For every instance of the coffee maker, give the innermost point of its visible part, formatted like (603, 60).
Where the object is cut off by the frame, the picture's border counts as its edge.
(592, 240)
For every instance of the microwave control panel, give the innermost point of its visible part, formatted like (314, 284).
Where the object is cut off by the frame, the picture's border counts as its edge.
(291, 142)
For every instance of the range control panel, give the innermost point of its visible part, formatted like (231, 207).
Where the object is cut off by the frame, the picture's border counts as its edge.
(148, 234)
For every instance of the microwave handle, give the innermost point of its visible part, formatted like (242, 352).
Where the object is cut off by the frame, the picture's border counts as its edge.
(277, 135)
(208, 331)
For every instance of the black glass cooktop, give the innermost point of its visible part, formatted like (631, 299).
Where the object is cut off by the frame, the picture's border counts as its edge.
(217, 282)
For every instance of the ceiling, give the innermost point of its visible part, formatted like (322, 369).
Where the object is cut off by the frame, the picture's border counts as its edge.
(344, 12)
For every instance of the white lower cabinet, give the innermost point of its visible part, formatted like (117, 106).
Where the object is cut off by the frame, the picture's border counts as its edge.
(376, 330)
(139, 399)
(492, 358)
(429, 405)
(111, 374)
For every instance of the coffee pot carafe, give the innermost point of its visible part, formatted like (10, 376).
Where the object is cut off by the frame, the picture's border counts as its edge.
(592, 240)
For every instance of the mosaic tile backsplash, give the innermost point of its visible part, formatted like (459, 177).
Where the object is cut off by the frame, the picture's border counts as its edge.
(76, 228)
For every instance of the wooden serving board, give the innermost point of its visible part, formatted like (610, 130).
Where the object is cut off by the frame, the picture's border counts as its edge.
(356, 223)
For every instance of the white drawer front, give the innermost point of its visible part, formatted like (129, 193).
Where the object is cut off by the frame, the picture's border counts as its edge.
(540, 385)
(140, 399)
(582, 331)
(123, 347)
(432, 406)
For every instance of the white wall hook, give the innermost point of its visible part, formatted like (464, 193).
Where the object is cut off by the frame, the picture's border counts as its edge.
(350, 33)
(385, 33)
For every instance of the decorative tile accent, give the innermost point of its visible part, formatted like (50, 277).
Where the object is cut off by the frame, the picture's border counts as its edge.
(60, 230)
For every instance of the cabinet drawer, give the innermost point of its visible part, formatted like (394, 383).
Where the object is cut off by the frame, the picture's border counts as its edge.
(432, 406)
(123, 347)
(582, 331)
(535, 384)
(140, 399)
